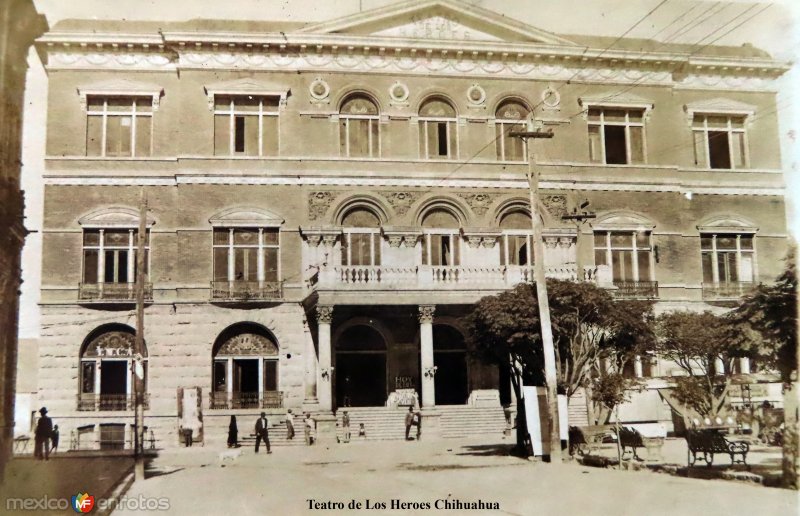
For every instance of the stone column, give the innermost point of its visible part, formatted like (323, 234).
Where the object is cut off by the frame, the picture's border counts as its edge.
(744, 365)
(430, 418)
(311, 372)
(637, 366)
(325, 379)
(426, 355)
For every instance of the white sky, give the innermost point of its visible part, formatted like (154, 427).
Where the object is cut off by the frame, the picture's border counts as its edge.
(774, 30)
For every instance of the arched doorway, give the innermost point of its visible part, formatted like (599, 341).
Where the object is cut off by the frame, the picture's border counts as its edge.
(360, 368)
(245, 370)
(106, 380)
(450, 359)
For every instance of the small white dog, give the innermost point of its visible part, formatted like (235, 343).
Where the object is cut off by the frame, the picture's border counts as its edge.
(231, 454)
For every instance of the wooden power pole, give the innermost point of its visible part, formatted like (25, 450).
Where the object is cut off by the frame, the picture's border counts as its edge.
(137, 364)
(551, 378)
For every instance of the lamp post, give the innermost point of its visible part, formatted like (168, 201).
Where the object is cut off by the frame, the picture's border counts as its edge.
(550, 374)
(138, 348)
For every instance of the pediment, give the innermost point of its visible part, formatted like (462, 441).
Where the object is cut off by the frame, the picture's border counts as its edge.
(727, 223)
(616, 99)
(437, 20)
(246, 86)
(623, 220)
(721, 106)
(246, 217)
(116, 217)
(122, 87)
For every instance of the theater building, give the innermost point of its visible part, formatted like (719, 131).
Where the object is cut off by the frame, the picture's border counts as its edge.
(327, 201)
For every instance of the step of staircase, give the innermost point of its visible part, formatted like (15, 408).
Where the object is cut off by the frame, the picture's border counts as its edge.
(577, 411)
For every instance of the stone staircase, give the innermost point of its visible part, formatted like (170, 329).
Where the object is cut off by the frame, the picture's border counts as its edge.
(216, 430)
(457, 421)
(578, 413)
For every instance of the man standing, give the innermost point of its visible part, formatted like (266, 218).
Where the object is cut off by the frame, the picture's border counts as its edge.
(409, 421)
(346, 426)
(262, 432)
(309, 429)
(289, 425)
(54, 439)
(44, 430)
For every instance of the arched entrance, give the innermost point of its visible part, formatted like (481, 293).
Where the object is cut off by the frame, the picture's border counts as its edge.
(360, 369)
(245, 371)
(106, 374)
(450, 359)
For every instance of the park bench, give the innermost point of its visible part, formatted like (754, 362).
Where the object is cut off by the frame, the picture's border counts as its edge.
(630, 438)
(586, 439)
(709, 442)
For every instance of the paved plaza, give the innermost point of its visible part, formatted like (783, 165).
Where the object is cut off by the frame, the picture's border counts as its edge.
(196, 481)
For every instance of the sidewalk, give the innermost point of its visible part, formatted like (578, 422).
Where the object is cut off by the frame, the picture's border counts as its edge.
(62, 477)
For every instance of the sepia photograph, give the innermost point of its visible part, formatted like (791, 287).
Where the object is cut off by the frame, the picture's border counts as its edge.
(403, 257)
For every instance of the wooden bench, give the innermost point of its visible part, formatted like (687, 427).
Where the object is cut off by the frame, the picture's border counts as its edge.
(584, 440)
(710, 442)
(630, 438)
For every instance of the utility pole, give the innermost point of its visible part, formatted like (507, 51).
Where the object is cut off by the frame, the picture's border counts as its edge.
(541, 287)
(579, 217)
(138, 353)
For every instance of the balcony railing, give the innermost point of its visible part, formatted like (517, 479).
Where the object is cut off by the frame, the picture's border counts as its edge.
(112, 292)
(727, 291)
(245, 400)
(422, 277)
(112, 402)
(246, 290)
(636, 289)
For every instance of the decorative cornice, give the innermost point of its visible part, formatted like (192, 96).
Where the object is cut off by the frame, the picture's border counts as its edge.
(246, 86)
(122, 87)
(409, 235)
(325, 234)
(324, 314)
(718, 106)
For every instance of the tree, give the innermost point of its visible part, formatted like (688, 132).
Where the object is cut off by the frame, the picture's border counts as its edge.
(588, 325)
(697, 343)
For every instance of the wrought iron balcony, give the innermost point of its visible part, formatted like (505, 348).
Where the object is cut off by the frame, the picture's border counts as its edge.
(727, 291)
(111, 402)
(237, 291)
(112, 292)
(636, 289)
(245, 400)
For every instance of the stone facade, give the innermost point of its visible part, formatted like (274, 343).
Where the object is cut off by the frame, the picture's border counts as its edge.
(20, 25)
(439, 190)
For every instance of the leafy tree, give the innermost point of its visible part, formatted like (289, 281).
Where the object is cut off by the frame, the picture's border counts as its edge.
(766, 322)
(607, 392)
(696, 342)
(588, 325)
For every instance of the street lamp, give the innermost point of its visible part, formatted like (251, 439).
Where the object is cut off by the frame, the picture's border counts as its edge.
(533, 132)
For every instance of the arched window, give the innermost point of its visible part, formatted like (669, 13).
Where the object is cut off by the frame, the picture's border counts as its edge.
(438, 135)
(517, 238)
(510, 116)
(106, 375)
(441, 243)
(359, 133)
(361, 242)
(245, 372)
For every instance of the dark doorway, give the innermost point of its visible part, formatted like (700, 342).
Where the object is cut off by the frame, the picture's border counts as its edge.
(245, 374)
(450, 358)
(114, 377)
(360, 379)
(360, 370)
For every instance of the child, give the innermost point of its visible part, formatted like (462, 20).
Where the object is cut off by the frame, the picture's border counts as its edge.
(362, 432)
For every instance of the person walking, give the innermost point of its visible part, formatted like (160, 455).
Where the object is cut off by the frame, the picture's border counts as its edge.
(262, 432)
(289, 425)
(187, 436)
(233, 433)
(309, 429)
(44, 430)
(54, 439)
(409, 422)
(346, 426)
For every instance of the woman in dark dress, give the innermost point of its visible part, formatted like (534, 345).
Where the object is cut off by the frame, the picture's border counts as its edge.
(233, 434)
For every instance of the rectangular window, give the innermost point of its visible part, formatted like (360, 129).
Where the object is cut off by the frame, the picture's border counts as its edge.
(109, 255)
(629, 253)
(616, 136)
(509, 148)
(270, 375)
(246, 125)
(119, 127)
(720, 142)
(437, 139)
(246, 254)
(220, 375)
(441, 250)
(361, 248)
(727, 258)
(516, 250)
(87, 377)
